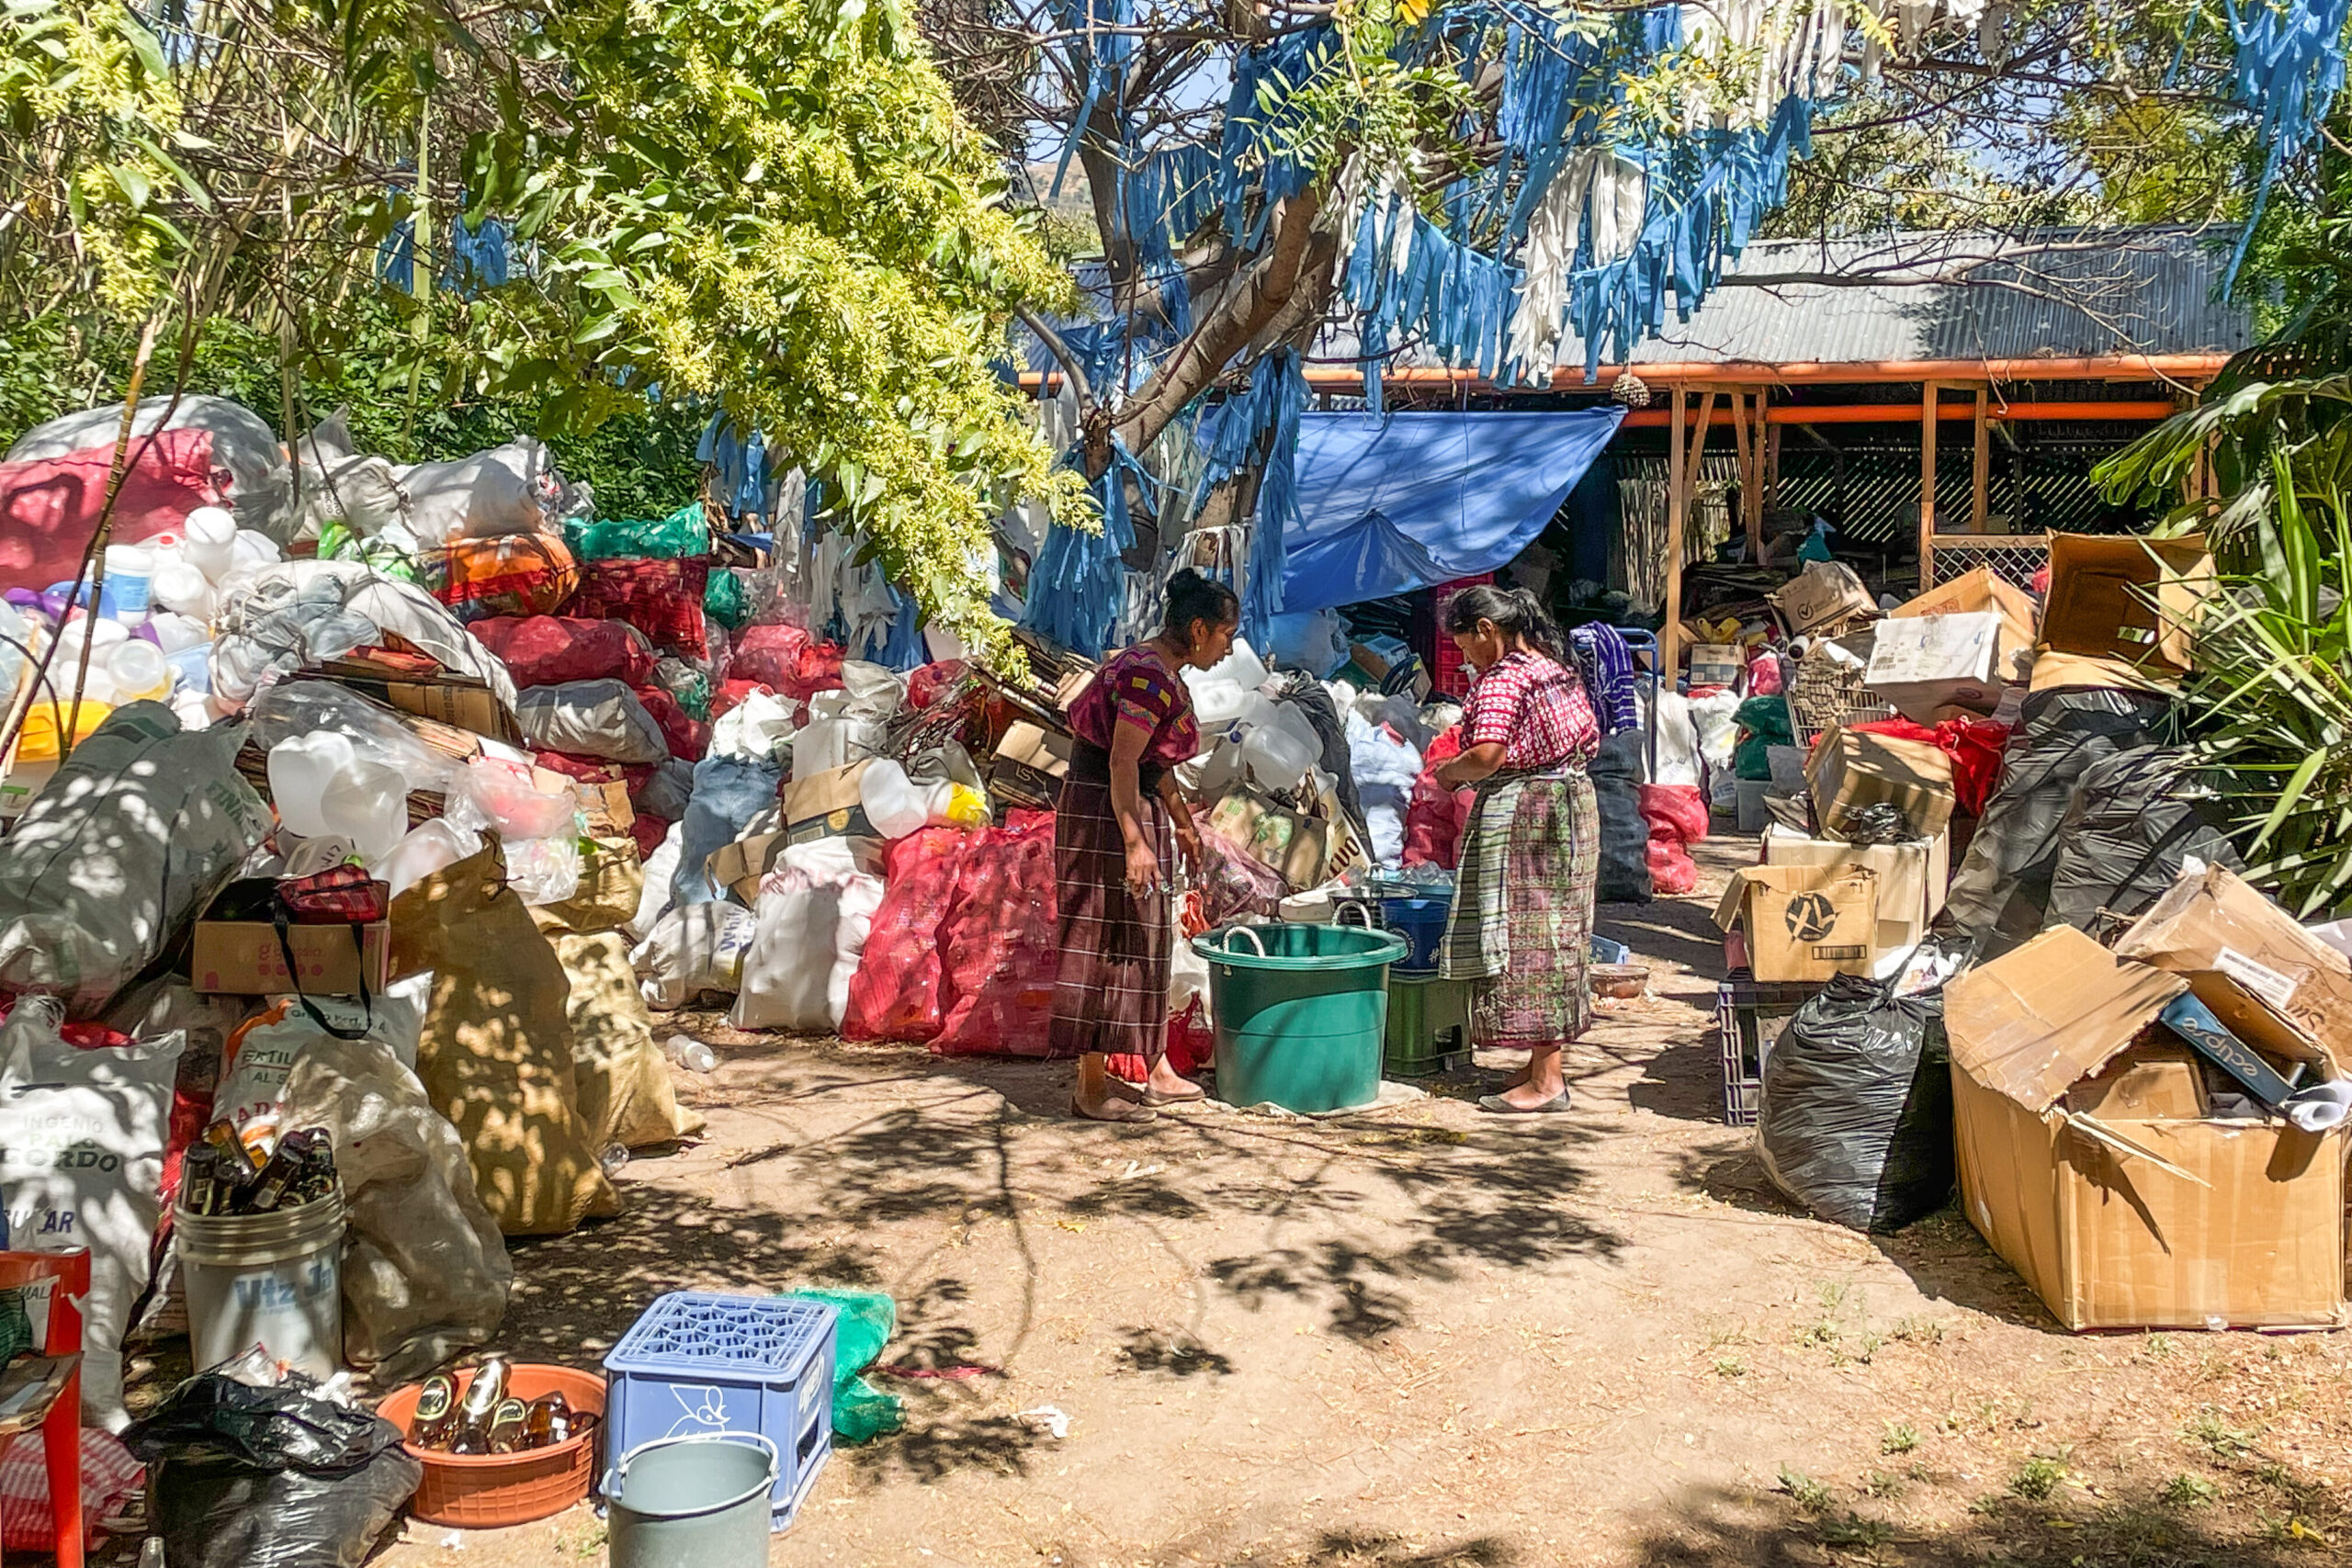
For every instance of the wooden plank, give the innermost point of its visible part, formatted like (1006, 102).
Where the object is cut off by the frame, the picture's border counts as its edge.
(1980, 502)
(1928, 485)
(1677, 497)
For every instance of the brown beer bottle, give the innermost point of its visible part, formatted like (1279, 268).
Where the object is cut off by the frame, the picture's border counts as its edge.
(436, 1412)
(223, 1136)
(200, 1180)
(482, 1401)
(548, 1422)
(270, 1186)
(507, 1426)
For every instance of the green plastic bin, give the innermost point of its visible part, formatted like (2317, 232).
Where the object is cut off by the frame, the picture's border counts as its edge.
(1302, 1013)
(1429, 1024)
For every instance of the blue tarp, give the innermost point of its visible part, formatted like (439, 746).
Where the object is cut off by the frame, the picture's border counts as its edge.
(1390, 504)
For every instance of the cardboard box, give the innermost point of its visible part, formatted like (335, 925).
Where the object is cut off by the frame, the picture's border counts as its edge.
(1979, 592)
(1717, 663)
(1911, 878)
(826, 805)
(1850, 770)
(242, 958)
(605, 806)
(2053, 672)
(1825, 594)
(2247, 960)
(2128, 598)
(410, 684)
(1804, 922)
(2118, 1216)
(739, 866)
(1029, 766)
(1922, 663)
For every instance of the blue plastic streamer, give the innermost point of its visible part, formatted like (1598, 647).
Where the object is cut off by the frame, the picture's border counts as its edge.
(2289, 68)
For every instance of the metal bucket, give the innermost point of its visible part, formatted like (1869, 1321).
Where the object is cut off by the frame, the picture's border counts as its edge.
(697, 1502)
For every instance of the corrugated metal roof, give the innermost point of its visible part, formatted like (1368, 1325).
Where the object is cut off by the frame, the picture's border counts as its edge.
(1964, 296)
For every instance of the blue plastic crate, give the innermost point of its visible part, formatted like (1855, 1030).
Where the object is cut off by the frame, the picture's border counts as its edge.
(701, 1362)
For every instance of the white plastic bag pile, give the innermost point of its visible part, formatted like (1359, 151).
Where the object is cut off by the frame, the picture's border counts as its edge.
(1385, 768)
(816, 910)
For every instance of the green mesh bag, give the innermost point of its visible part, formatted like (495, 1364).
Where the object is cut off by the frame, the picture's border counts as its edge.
(724, 600)
(683, 533)
(860, 1411)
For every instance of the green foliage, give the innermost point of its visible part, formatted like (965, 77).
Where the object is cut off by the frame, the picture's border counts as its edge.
(2038, 1477)
(2185, 1491)
(1813, 1497)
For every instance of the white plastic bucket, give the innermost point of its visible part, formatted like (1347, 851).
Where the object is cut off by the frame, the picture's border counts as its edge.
(272, 1279)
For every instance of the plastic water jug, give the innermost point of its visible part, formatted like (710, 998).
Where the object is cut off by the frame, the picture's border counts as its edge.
(956, 804)
(178, 587)
(301, 769)
(1274, 756)
(129, 568)
(367, 803)
(140, 672)
(210, 540)
(894, 806)
(175, 633)
(429, 847)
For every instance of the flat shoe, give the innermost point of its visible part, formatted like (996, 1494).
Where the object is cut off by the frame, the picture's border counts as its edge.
(1154, 1097)
(1124, 1111)
(1497, 1105)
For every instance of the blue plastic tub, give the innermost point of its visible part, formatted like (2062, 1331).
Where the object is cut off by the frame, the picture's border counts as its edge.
(699, 1364)
(1421, 922)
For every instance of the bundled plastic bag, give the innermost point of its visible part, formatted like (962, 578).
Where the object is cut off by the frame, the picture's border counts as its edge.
(617, 1072)
(549, 651)
(1002, 948)
(425, 1272)
(495, 1056)
(120, 853)
(1677, 815)
(300, 612)
(1713, 717)
(1236, 886)
(787, 660)
(243, 1477)
(48, 506)
(863, 1322)
(757, 729)
(591, 718)
(685, 736)
(1386, 769)
(512, 488)
(816, 915)
(728, 793)
(659, 866)
(1679, 762)
(1624, 874)
(661, 599)
(82, 1141)
(694, 950)
(684, 532)
(1763, 724)
(291, 709)
(2132, 822)
(896, 992)
(1854, 1117)
(513, 574)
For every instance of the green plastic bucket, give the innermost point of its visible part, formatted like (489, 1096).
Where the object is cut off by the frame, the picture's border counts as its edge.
(692, 1502)
(1302, 1013)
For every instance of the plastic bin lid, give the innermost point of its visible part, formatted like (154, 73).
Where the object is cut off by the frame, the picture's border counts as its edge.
(704, 1330)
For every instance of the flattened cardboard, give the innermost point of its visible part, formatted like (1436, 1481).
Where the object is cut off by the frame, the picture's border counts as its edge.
(1921, 663)
(2031, 1023)
(242, 958)
(2147, 1083)
(2247, 960)
(605, 806)
(1029, 764)
(2118, 1221)
(1716, 663)
(2126, 597)
(2054, 672)
(1825, 593)
(1911, 877)
(826, 805)
(1804, 922)
(1848, 770)
(739, 866)
(1982, 590)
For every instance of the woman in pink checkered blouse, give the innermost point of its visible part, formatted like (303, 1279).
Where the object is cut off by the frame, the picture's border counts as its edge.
(1522, 927)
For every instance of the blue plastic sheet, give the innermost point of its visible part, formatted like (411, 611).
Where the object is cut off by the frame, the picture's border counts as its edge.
(1414, 499)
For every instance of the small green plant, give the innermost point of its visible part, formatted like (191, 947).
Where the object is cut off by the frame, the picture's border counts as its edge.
(2209, 1431)
(1730, 1367)
(2038, 1477)
(2185, 1491)
(2159, 1347)
(1883, 1484)
(2288, 1529)
(1920, 1331)
(2279, 1476)
(1854, 1532)
(1900, 1439)
(1813, 1496)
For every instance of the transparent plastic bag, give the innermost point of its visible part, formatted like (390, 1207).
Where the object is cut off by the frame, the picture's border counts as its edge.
(503, 797)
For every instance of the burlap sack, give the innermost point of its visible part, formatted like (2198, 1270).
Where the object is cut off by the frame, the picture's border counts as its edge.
(617, 1073)
(612, 881)
(495, 1056)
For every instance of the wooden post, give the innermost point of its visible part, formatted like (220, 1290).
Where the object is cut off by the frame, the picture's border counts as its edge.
(1926, 486)
(1677, 495)
(1980, 506)
(1762, 446)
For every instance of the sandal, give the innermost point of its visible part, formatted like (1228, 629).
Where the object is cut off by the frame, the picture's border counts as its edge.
(1191, 1096)
(1121, 1111)
(1497, 1105)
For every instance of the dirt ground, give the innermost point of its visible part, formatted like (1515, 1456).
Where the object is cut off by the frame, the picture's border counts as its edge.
(1423, 1337)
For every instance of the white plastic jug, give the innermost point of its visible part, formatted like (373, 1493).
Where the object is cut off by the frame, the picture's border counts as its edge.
(178, 587)
(140, 672)
(1275, 757)
(208, 541)
(250, 551)
(367, 803)
(300, 768)
(176, 633)
(429, 847)
(895, 807)
(129, 568)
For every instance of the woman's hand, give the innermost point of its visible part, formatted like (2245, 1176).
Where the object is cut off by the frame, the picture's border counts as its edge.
(1143, 869)
(1188, 838)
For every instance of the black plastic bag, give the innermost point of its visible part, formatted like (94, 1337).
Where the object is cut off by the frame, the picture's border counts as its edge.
(1624, 874)
(1854, 1115)
(243, 1477)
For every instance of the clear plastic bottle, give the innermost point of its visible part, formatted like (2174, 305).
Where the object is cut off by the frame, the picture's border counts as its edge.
(690, 1054)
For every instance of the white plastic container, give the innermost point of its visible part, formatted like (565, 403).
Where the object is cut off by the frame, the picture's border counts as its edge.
(429, 847)
(367, 803)
(129, 567)
(138, 671)
(178, 587)
(178, 633)
(1275, 757)
(252, 551)
(301, 769)
(272, 1279)
(208, 541)
(893, 805)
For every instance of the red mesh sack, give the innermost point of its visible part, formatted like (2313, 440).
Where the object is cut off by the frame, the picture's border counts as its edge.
(1975, 746)
(730, 693)
(547, 650)
(896, 994)
(784, 659)
(571, 765)
(1001, 951)
(686, 735)
(925, 686)
(660, 598)
(1435, 815)
(1677, 815)
(510, 574)
(1671, 868)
